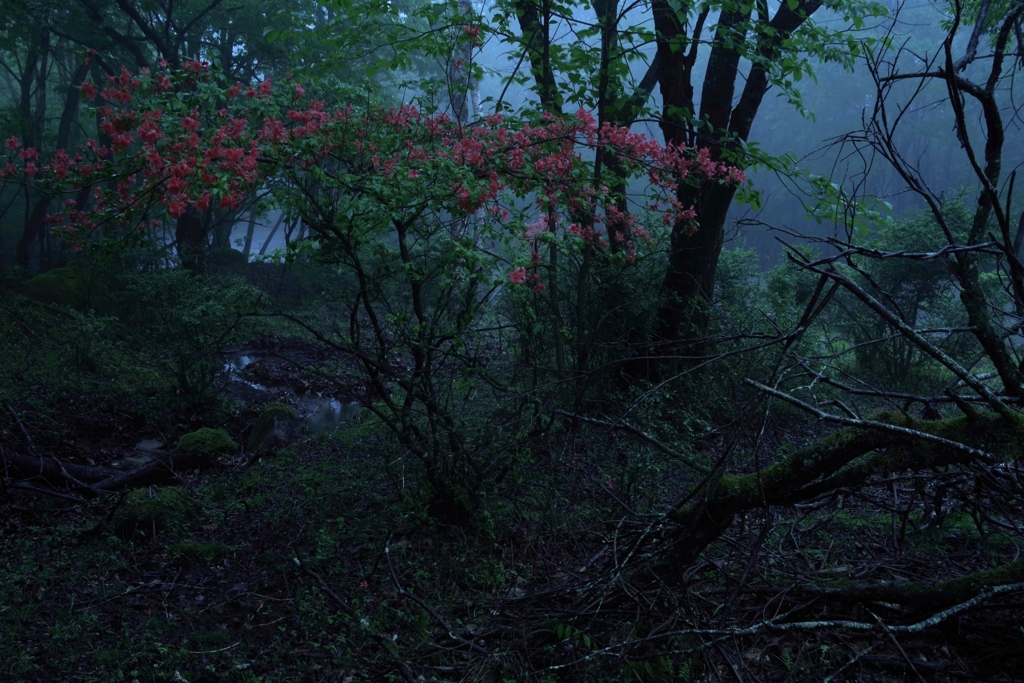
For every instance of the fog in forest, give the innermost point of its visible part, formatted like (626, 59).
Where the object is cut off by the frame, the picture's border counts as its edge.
(518, 341)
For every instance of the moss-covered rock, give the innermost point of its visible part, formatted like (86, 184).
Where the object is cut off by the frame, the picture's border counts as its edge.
(274, 428)
(208, 443)
(149, 509)
(68, 287)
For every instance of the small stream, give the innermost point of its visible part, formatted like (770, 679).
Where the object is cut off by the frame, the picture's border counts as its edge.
(234, 368)
(318, 413)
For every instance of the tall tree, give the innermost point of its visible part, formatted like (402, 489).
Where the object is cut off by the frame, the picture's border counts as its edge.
(747, 45)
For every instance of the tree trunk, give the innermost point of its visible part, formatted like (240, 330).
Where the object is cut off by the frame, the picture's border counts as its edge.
(460, 73)
(849, 459)
(694, 251)
(273, 231)
(534, 22)
(250, 231)
(190, 235)
(34, 232)
(693, 260)
(222, 231)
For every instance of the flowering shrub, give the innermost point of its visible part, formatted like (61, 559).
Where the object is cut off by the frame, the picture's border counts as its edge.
(430, 215)
(170, 140)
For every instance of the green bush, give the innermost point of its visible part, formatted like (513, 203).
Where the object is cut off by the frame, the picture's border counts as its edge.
(184, 322)
(919, 291)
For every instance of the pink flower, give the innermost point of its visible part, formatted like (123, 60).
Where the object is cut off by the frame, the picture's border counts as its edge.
(473, 32)
(414, 173)
(12, 143)
(517, 276)
(88, 90)
(176, 208)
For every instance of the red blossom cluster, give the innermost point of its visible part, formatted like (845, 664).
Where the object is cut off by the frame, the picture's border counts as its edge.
(211, 149)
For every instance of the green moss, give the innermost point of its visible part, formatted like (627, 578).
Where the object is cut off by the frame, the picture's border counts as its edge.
(165, 509)
(207, 442)
(800, 467)
(987, 432)
(288, 453)
(1011, 572)
(68, 287)
(268, 420)
(204, 640)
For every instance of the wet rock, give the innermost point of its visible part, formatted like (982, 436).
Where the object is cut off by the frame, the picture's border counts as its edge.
(276, 429)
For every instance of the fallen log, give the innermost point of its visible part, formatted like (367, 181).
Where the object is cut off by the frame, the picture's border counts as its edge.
(90, 480)
(52, 471)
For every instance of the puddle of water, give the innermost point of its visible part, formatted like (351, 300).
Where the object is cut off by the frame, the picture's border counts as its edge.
(330, 413)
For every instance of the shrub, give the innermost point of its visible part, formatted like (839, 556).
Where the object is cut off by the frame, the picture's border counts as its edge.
(185, 322)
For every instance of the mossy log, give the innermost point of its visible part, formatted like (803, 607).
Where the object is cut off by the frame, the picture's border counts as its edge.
(853, 457)
(922, 594)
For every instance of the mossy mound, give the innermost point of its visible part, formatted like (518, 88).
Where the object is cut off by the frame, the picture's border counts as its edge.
(149, 509)
(68, 287)
(266, 433)
(208, 443)
(229, 259)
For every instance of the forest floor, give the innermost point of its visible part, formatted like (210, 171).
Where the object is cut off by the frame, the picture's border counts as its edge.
(320, 563)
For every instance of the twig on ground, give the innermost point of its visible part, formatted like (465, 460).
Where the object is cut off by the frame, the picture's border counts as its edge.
(430, 610)
(387, 644)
